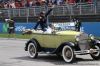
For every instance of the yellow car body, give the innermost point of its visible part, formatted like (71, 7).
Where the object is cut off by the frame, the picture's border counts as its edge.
(63, 43)
(54, 40)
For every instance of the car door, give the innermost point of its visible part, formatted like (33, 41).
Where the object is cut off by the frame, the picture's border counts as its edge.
(39, 37)
(51, 40)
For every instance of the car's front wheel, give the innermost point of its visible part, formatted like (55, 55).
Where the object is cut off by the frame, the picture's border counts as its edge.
(68, 54)
(96, 55)
(32, 50)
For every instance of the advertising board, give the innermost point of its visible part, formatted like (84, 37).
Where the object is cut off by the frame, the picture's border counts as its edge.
(88, 27)
(65, 26)
(92, 28)
(19, 27)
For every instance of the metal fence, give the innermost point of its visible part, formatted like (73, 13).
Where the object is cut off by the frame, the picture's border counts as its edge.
(69, 9)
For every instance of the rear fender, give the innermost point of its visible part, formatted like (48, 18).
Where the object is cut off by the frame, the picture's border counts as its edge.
(32, 41)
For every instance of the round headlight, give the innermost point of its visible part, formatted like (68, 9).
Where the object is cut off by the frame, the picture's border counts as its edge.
(91, 36)
(77, 38)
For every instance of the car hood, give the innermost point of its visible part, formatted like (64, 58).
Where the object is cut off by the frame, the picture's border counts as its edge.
(67, 32)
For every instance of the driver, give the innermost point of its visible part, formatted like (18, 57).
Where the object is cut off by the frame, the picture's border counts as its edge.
(50, 29)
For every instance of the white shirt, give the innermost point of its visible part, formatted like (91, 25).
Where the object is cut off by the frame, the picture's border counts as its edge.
(48, 30)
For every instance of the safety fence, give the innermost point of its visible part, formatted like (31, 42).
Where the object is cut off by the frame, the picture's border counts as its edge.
(68, 9)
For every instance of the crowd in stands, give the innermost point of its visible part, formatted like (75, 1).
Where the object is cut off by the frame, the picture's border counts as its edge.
(31, 3)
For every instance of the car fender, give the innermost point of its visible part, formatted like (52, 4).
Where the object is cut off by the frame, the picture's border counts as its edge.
(97, 41)
(59, 49)
(33, 41)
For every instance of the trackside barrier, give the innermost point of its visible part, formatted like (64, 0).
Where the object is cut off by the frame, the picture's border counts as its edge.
(92, 28)
(19, 27)
(88, 27)
(1, 27)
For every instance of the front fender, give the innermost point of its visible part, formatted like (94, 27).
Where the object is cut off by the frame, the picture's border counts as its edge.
(59, 49)
(97, 41)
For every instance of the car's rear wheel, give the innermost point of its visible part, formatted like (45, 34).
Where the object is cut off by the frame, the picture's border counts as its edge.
(32, 50)
(68, 54)
(96, 55)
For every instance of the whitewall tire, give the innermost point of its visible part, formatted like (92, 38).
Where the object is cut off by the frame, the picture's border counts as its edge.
(96, 55)
(68, 54)
(32, 50)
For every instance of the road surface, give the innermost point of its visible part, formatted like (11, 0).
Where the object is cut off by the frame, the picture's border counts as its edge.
(12, 54)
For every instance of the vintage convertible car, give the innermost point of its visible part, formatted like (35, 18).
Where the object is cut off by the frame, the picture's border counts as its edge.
(66, 44)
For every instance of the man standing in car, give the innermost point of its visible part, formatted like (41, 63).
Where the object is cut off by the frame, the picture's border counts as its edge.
(42, 19)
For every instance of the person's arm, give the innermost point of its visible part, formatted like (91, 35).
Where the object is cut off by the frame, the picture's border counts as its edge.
(39, 18)
(48, 12)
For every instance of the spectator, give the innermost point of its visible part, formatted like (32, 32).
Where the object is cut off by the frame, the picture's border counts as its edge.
(11, 26)
(31, 3)
(6, 5)
(18, 4)
(27, 4)
(12, 4)
(38, 3)
(59, 2)
(1, 5)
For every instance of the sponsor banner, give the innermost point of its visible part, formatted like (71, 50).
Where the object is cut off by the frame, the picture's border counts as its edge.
(1, 27)
(19, 27)
(91, 28)
(88, 27)
(65, 26)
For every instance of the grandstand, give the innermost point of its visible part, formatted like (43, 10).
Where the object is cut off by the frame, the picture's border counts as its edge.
(82, 9)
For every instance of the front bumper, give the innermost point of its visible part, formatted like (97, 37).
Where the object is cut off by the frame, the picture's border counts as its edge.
(83, 52)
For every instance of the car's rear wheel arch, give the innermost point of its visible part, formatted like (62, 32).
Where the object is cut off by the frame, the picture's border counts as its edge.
(35, 42)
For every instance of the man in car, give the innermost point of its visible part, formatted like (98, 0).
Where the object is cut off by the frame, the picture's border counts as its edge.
(50, 29)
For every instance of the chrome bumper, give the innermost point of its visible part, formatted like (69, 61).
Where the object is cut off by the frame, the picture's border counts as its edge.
(82, 52)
